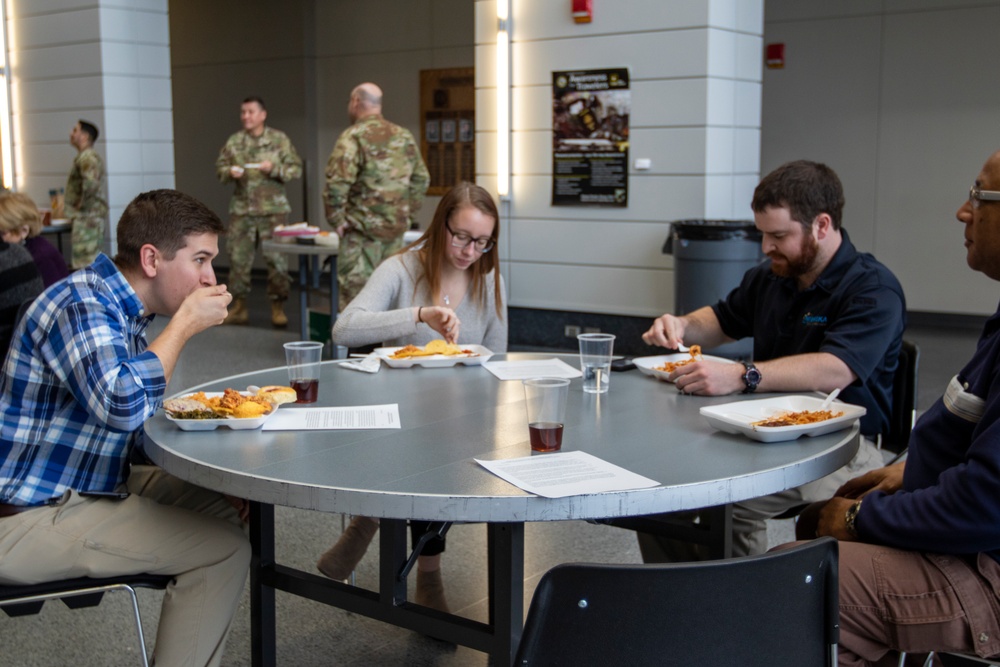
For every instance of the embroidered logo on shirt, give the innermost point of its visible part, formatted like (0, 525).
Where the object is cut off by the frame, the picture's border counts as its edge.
(811, 320)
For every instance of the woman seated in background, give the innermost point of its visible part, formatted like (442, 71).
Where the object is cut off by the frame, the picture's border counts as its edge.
(21, 223)
(447, 284)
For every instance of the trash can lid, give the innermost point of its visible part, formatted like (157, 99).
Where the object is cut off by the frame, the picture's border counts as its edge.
(714, 230)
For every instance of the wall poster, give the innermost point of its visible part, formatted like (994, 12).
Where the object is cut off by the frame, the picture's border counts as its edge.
(590, 115)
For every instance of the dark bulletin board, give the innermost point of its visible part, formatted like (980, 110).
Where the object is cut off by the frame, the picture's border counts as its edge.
(447, 134)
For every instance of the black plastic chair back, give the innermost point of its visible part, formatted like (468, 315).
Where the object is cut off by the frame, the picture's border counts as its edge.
(904, 399)
(778, 608)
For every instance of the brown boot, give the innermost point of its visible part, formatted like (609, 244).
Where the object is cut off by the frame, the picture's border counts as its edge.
(278, 317)
(339, 561)
(238, 313)
(430, 591)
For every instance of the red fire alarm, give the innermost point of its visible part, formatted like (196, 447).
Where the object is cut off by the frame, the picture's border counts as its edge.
(775, 56)
(583, 11)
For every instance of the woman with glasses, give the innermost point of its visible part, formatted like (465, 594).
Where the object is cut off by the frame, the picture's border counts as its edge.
(447, 284)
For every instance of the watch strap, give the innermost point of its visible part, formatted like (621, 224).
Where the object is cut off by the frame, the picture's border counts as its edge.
(751, 376)
(851, 517)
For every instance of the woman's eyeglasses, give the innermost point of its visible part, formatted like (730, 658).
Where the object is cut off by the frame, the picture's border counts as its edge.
(463, 240)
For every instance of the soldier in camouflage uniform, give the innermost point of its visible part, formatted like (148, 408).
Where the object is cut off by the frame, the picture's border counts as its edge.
(375, 183)
(86, 207)
(259, 159)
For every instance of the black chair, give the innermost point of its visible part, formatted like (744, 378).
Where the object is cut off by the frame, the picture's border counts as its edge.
(79, 593)
(904, 400)
(778, 608)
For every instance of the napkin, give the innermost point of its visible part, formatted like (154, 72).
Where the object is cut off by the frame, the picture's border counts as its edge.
(369, 364)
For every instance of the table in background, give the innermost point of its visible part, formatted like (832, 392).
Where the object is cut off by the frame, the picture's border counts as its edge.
(309, 267)
(58, 231)
(425, 470)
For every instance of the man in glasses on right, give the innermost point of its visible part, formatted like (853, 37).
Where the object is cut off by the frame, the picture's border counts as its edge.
(920, 540)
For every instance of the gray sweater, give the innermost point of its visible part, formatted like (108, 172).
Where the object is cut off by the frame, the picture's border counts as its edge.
(385, 311)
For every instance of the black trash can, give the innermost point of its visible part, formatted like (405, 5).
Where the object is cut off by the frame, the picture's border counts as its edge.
(710, 258)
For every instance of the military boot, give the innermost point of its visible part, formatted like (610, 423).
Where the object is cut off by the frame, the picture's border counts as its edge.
(238, 313)
(278, 317)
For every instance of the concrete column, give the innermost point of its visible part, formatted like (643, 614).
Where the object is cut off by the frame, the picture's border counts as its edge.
(106, 61)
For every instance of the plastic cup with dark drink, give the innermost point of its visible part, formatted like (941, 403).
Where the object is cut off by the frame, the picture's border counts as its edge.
(303, 358)
(545, 400)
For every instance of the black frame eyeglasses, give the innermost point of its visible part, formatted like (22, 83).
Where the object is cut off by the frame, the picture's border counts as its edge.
(976, 195)
(483, 244)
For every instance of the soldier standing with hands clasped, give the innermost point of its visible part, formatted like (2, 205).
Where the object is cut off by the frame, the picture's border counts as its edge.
(259, 160)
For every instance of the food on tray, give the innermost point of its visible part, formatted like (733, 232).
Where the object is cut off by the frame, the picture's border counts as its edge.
(230, 404)
(797, 418)
(277, 394)
(432, 348)
(289, 233)
(188, 408)
(671, 366)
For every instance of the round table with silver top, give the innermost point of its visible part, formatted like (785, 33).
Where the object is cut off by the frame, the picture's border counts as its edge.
(426, 470)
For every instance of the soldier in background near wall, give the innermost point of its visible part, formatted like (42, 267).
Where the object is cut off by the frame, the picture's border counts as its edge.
(86, 207)
(375, 183)
(259, 160)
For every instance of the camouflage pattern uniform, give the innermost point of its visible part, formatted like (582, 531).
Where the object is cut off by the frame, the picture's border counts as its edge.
(375, 183)
(86, 207)
(259, 204)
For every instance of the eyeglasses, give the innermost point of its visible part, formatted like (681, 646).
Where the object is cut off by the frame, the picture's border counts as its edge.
(976, 195)
(463, 240)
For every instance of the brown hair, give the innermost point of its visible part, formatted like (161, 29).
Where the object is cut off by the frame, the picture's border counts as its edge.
(433, 243)
(805, 188)
(17, 210)
(164, 219)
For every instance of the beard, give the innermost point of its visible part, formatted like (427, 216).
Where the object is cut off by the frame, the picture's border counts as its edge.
(800, 265)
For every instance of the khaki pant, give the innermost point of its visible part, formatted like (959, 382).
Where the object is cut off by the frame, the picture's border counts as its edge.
(750, 517)
(166, 526)
(893, 600)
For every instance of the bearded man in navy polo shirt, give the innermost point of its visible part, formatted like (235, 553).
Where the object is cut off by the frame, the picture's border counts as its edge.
(823, 316)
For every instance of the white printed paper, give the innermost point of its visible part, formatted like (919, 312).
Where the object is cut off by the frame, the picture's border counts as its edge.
(536, 368)
(359, 417)
(562, 474)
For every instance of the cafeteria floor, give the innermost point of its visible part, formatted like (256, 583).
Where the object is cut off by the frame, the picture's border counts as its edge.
(313, 634)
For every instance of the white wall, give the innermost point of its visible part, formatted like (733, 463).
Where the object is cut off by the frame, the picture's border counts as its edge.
(695, 70)
(387, 42)
(900, 100)
(314, 53)
(107, 61)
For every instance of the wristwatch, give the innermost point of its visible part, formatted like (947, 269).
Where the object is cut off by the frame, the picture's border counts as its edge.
(752, 377)
(851, 516)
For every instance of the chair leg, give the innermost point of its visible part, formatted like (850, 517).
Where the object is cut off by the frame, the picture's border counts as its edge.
(143, 659)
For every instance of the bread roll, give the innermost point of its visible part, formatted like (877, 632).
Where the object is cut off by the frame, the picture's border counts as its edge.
(277, 394)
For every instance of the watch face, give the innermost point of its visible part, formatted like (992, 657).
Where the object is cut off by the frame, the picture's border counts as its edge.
(753, 376)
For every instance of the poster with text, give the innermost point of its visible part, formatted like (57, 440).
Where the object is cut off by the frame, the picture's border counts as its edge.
(590, 112)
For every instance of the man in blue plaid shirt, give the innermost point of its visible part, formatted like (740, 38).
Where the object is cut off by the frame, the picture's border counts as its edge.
(77, 385)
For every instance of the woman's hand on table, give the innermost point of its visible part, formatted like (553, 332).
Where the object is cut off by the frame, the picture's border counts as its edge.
(441, 319)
